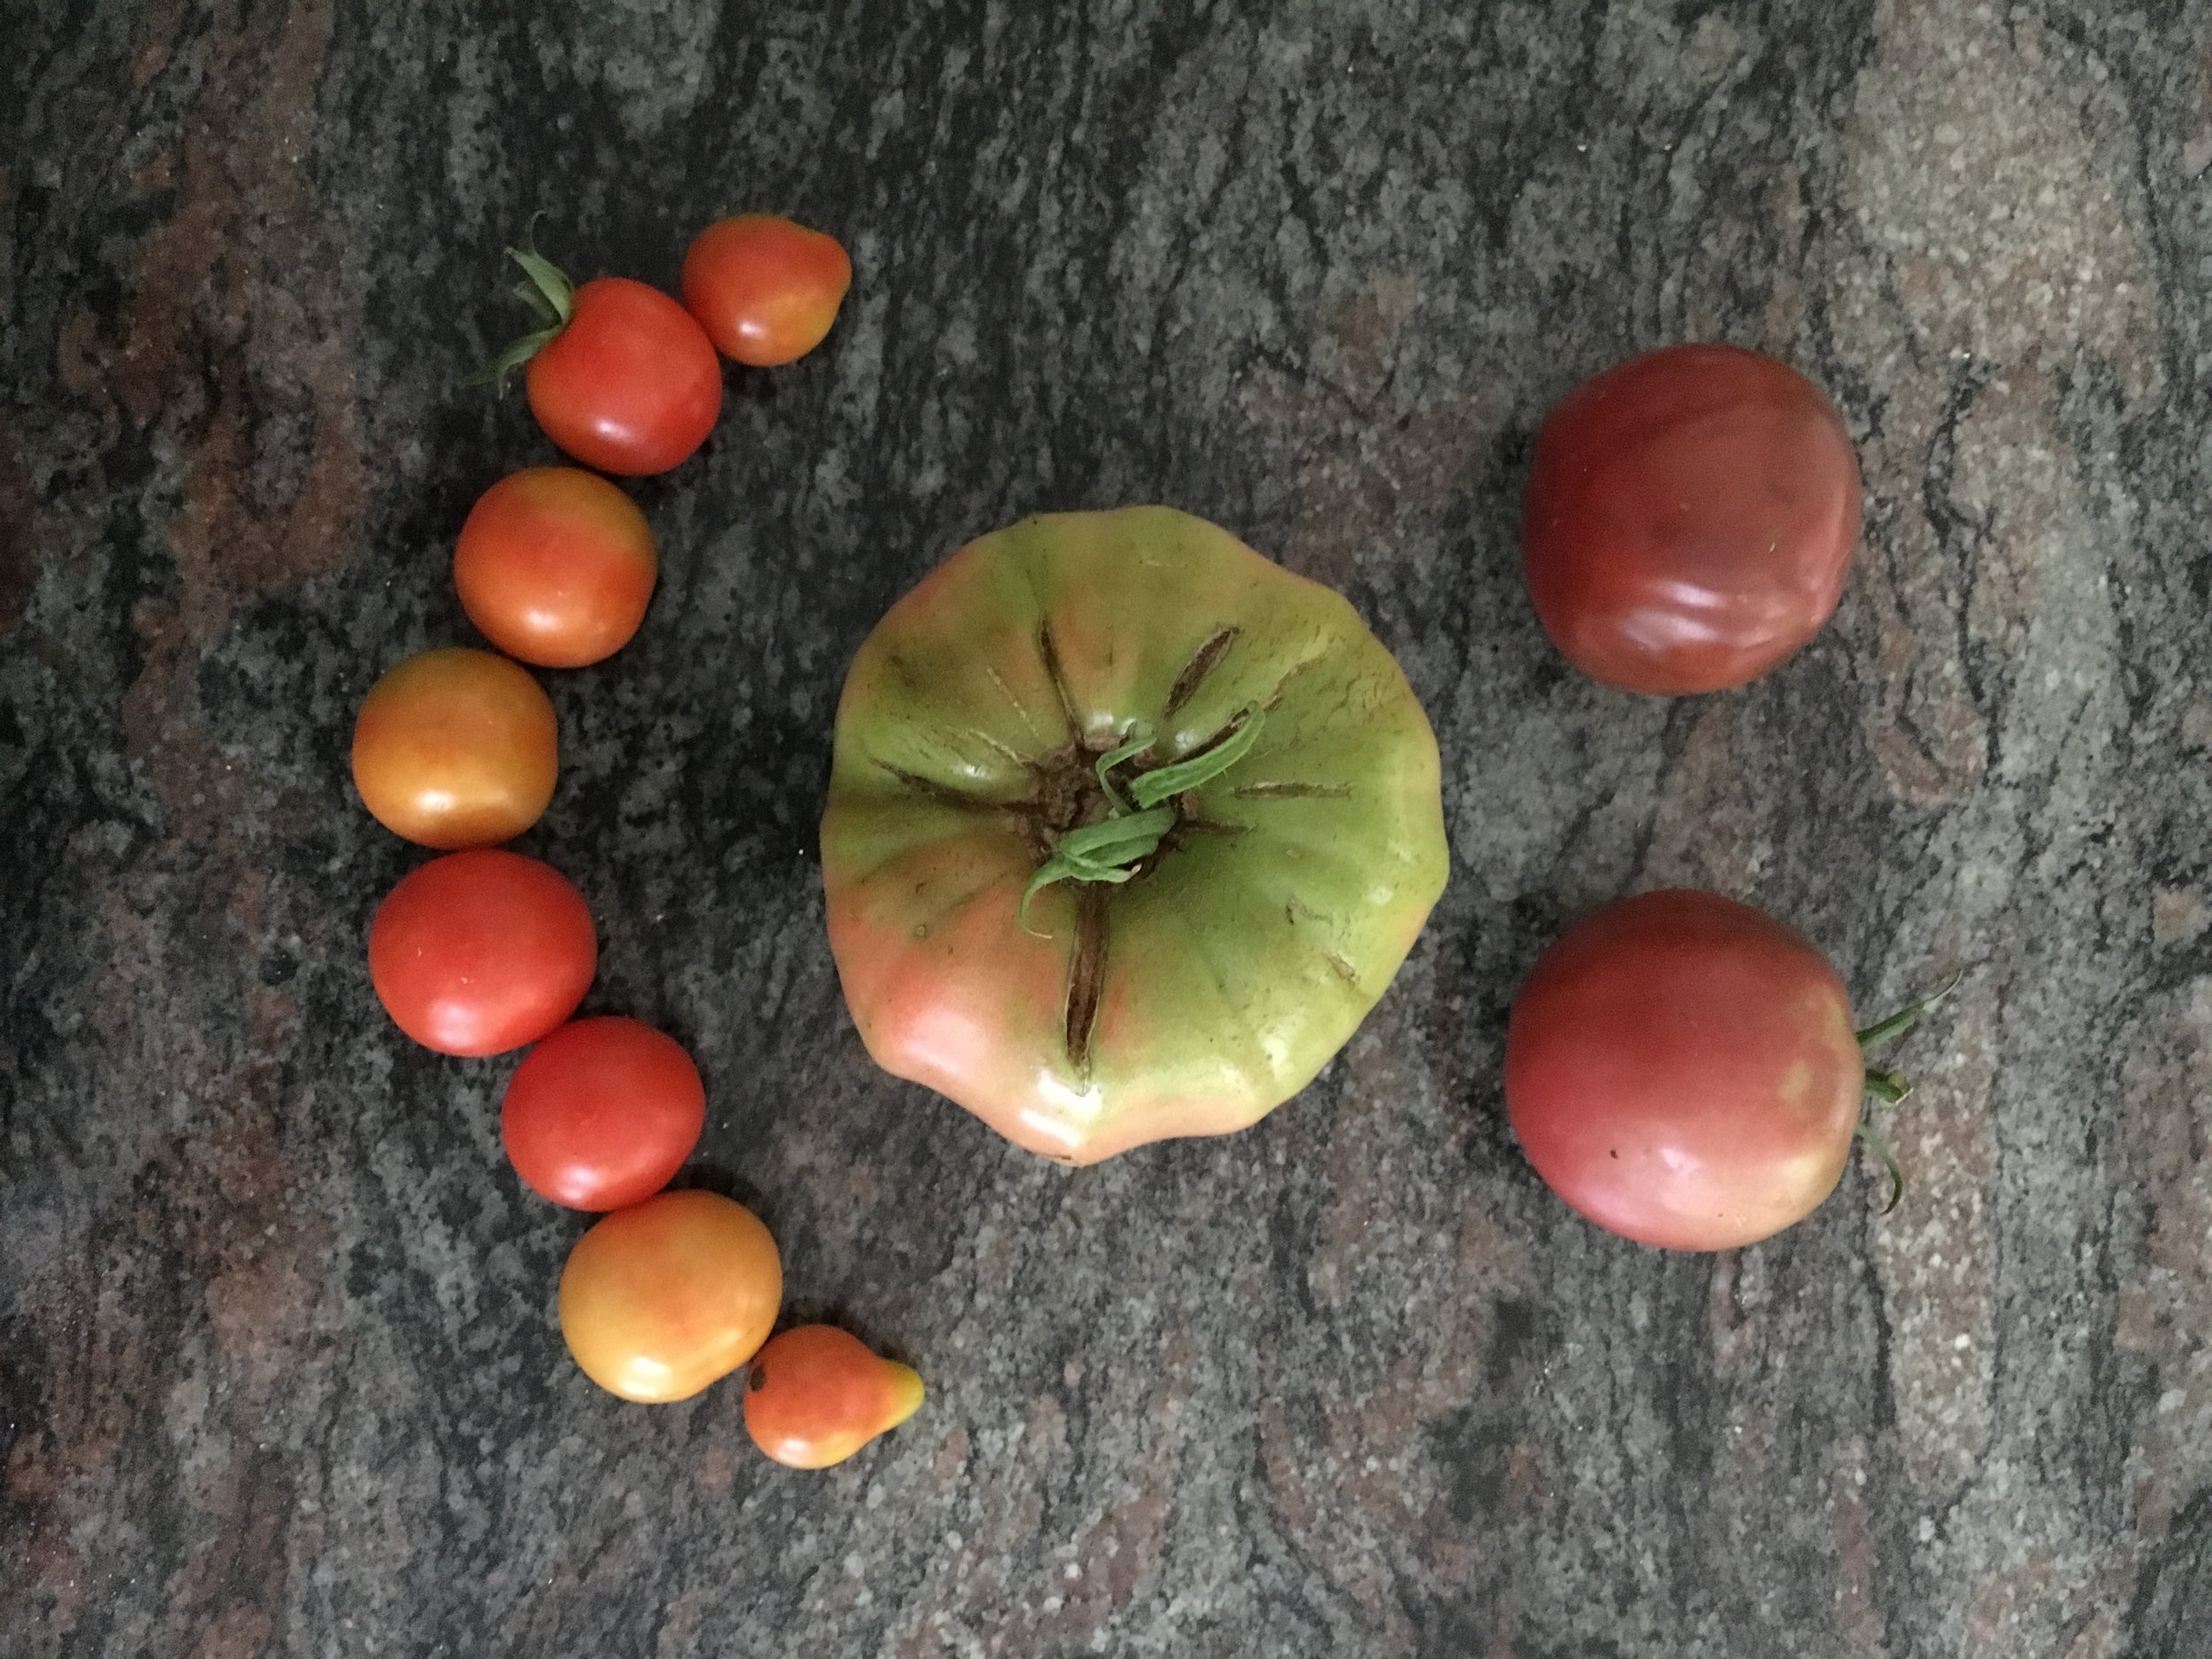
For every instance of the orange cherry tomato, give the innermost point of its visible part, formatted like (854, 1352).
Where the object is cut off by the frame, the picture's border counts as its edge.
(766, 291)
(603, 1113)
(555, 564)
(481, 952)
(659, 1300)
(817, 1395)
(456, 747)
(630, 384)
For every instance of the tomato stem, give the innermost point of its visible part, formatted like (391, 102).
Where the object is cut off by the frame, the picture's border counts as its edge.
(551, 298)
(1152, 788)
(1879, 1146)
(1139, 739)
(1905, 1019)
(1139, 818)
(1889, 1086)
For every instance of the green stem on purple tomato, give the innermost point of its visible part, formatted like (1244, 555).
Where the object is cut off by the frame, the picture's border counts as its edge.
(1880, 1146)
(1888, 1085)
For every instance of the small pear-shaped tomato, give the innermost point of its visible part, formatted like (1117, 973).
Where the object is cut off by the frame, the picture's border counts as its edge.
(817, 1395)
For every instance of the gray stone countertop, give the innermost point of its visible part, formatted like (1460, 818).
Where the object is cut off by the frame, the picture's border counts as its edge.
(279, 1373)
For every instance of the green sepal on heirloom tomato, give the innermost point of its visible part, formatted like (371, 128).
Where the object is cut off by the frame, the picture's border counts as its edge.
(1128, 828)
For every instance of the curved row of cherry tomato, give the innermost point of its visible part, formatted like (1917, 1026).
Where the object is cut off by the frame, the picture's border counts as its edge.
(484, 951)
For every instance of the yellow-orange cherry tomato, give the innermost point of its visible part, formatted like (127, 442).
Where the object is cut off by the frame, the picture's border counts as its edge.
(659, 1300)
(817, 1395)
(766, 289)
(456, 747)
(555, 565)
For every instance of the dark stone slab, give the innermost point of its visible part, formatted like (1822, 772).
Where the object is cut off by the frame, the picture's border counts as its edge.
(277, 1358)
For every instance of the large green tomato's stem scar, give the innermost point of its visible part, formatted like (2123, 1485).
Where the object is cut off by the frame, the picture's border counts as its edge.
(1139, 739)
(1139, 818)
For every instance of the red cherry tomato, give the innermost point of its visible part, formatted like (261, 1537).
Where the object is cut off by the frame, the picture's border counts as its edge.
(1690, 519)
(630, 384)
(603, 1113)
(1682, 1071)
(481, 952)
(456, 747)
(555, 565)
(817, 1395)
(766, 291)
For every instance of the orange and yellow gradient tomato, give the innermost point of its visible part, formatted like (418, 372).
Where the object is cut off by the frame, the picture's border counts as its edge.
(555, 566)
(766, 290)
(661, 1299)
(817, 1395)
(455, 749)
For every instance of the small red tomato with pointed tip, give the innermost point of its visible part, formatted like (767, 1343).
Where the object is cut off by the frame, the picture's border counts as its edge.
(817, 1395)
(766, 289)
(603, 1113)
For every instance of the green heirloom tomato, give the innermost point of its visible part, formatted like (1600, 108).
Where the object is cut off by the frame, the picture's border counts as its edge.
(1128, 828)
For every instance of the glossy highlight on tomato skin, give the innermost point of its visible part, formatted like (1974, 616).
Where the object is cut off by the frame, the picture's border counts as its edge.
(481, 952)
(631, 384)
(661, 1299)
(1690, 519)
(816, 1395)
(766, 291)
(1682, 1071)
(555, 565)
(603, 1113)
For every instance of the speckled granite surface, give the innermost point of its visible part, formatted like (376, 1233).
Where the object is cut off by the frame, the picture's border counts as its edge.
(276, 1354)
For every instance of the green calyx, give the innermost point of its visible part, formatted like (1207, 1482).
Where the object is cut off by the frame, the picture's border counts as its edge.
(1138, 817)
(551, 298)
(1889, 1086)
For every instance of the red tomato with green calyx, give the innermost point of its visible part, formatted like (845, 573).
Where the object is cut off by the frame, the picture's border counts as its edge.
(1682, 1070)
(555, 566)
(620, 376)
(1690, 519)
(766, 290)
(603, 1113)
(481, 952)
